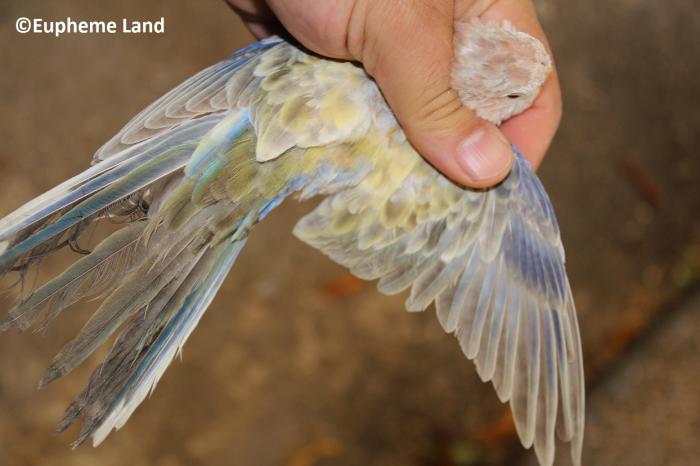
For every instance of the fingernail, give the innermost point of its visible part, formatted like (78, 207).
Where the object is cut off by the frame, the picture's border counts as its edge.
(485, 155)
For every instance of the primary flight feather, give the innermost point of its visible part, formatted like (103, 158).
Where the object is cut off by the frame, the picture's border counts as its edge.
(194, 172)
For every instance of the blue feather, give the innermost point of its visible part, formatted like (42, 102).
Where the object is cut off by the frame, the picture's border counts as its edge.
(168, 343)
(101, 175)
(216, 143)
(143, 175)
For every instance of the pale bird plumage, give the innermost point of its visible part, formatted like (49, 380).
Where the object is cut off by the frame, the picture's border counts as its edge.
(199, 167)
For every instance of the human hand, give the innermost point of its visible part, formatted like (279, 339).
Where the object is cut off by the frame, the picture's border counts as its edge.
(406, 46)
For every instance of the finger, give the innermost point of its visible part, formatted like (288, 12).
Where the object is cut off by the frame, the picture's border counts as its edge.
(407, 47)
(256, 10)
(320, 26)
(533, 130)
(257, 16)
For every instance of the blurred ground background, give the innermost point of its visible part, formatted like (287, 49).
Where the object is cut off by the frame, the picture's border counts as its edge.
(298, 364)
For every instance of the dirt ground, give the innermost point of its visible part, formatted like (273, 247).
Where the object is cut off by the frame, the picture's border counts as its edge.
(297, 364)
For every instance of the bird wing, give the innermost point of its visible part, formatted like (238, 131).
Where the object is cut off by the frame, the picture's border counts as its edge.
(493, 263)
(213, 89)
(182, 115)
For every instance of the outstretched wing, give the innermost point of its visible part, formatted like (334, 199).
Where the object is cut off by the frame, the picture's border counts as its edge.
(494, 265)
(181, 116)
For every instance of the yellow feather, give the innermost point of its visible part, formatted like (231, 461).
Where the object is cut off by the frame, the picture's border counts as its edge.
(336, 107)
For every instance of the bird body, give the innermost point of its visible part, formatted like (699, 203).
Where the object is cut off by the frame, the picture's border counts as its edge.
(195, 171)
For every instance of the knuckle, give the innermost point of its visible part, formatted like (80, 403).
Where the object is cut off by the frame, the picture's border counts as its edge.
(439, 113)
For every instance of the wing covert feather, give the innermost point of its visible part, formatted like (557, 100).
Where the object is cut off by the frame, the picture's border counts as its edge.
(213, 89)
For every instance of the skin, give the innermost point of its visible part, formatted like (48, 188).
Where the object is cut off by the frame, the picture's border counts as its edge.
(406, 46)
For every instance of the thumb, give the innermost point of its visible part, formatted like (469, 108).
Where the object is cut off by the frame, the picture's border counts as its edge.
(407, 47)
